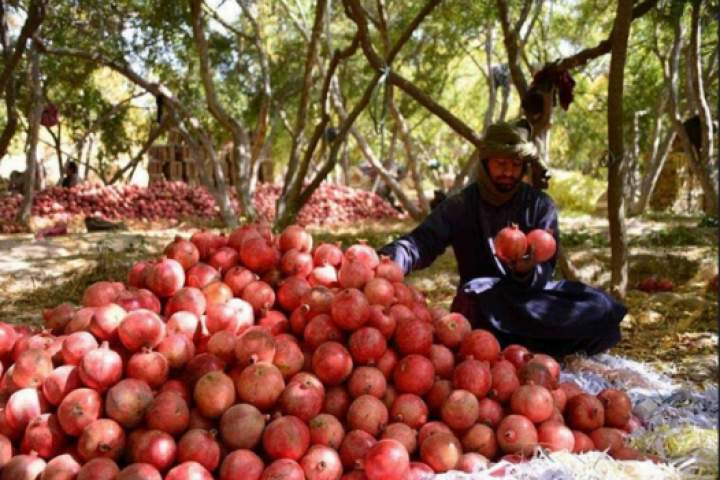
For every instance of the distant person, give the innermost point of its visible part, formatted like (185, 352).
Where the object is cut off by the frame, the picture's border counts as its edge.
(71, 177)
(17, 179)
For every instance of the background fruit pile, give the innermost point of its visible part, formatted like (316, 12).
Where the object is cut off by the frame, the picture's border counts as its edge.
(331, 204)
(258, 356)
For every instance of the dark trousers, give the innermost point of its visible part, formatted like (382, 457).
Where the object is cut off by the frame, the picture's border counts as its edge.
(559, 319)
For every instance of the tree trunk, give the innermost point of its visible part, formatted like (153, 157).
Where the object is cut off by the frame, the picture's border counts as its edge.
(701, 104)
(36, 107)
(616, 149)
(652, 174)
(12, 117)
(423, 204)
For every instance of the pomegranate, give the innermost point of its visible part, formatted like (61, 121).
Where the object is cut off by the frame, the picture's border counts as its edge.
(414, 336)
(536, 374)
(474, 376)
(386, 459)
(481, 345)
(43, 436)
(332, 363)
(260, 295)
(443, 360)
(62, 467)
(403, 434)
(22, 406)
(241, 426)
(583, 442)
(187, 471)
(516, 354)
(337, 402)
(326, 429)
(367, 345)
(437, 395)
(187, 299)
(223, 259)
(570, 389)
(257, 255)
(295, 262)
(100, 368)
(354, 447)
(217, 292)
(78, 409)
(260, 384)
(101, 438)
(176, 386)
(177, 349)
(295, 237)
(302, 399)
(441, 452)
(389, 270)
(559, 399)
(139, 471)
(617, 407)
(155, 448)
(255, 345)
(76, 345)
(504, 381)
(414, 374)
(490, 412)
(202, 275)
(31, 368)
(183, 322)
(284, 469)
(367, 413)
(169, 413)
(321, 463)
(233, 316)
(387, 362)
(510, 244)
(367, 381)
(222, 345)
(541, 244)
(106, 320)
(286, 437)
(555, 436)
(432, 428)
(241, 464)
(58, 317)
(549, 362)
(324, 275)
(517, 434)
(98, 469)
(350, 309)
(472, 462)
(165, 277)
(23, 467)
(584, 412)
(532, 401)
(199, 446)
(101, 293)
(59, 383)
(480, 438)
(136, 275)
(288, 357)
(148, 366)
(141, 328)
(321, 329)
(291, 292)
(214, 393)
(409, 409)
(380, 291)
(608, 439)
(327, 254)
(451, 329)
(275, 322)
(460, 411)
(380, 319)
(127, 401)
(420, 471)
(363, 253)
(184, 252)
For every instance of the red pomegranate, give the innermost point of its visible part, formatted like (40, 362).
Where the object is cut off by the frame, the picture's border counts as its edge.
(188, 471)
(542, 245)
(101, 368)
(286, 437)
(617, 405)
(241, 426)
(350, 309)
(321, 463)
(101, 438)
(187, 299)
(584, 412)
(43, 436)
(76, 345)
(165, 277)
(59, 383)
(98, 469)
(517, 434)
(184, 252)
(386, 459)
(367, 381)
(241, 464)
(260, 384)
(480, 438)
(326, 429)
(510, 244)
(168, 413)
(141, 328)
(200, 446)
(148, 366)
(451, 329)
(367, 413)
(441, 452)
(295, 236)
(155, 448)
(532, 401)
(127, 401)
(327, 254)
(414, 374)
(481, 345)
(78, 409)
(354, 447)
(474, 376)
(201, 275)
(460, 410)
(555, 436)
(410, 410)
(332, 363)
(106, 320)
(414, 336)
(284, 469)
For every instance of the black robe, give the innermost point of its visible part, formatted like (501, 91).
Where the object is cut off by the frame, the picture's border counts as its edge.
(556, 317)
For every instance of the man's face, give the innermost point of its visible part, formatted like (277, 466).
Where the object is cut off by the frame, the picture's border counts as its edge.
(505, 172)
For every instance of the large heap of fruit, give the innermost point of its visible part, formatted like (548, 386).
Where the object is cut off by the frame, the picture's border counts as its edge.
(331, 204)
(256, 356)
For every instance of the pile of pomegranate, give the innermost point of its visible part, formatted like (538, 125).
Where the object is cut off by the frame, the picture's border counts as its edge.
(331, 204)
(257, 356)
(654, 284)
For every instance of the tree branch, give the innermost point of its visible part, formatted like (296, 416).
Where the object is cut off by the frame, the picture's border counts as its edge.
(35, 16)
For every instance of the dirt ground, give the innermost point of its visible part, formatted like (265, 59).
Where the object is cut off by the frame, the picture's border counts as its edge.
(676, 331)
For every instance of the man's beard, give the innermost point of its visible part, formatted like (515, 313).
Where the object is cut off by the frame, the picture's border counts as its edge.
(506, 187)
